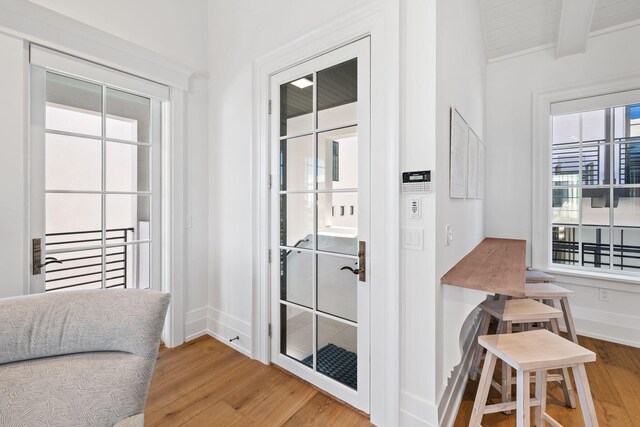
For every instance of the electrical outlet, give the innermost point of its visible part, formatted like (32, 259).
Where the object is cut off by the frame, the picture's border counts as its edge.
(604, 295)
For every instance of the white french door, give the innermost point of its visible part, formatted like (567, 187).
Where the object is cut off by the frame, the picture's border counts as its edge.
(320, 221)
(95, 176)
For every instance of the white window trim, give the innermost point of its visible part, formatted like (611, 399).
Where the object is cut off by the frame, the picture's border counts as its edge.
(541, 182)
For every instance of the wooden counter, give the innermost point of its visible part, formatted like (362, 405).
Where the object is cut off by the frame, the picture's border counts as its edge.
(494, 266)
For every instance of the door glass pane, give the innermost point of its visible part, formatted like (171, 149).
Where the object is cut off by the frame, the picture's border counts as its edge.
(565, 245)
(73, 213)
(296, 334)
(296, 224)
(296, 163)
(338, 159)
(626, 249)
(595, 247)
(338, 94)
(129, 266)
(128, 116)
(73, 105)
(338, 351)
(338, 222)
(76, 270)
(73, 163)
(296, 277)
(128, 167)
(296, 106)
(337, 289)
(131, 213)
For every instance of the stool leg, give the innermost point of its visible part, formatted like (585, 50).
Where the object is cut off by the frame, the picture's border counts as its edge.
(541, 395)
(506, 371)
(568, 319)
(567, 388)
(584, 393)
(477, 356)
(523, 406)
(483, 390)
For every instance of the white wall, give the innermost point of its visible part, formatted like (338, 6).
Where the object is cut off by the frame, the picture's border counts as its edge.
(239, 32)
(171, 28)
(461, 83)
(13, 162)
(167, 28)
(510, 84)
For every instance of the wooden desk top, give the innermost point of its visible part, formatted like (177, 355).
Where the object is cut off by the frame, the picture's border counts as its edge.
(494, 266)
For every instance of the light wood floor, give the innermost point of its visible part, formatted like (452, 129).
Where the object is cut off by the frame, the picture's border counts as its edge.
(615, 385)
(206, 383)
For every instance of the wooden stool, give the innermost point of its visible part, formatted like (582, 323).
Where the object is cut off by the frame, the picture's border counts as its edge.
(534, 351)
(536, 276)
(523, 312)
(550, 292)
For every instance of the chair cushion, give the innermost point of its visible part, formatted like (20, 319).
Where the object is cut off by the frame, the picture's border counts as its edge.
(84, 389)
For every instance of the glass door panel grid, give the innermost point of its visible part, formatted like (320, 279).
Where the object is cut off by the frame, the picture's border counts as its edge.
(109, 242)
(313, 250)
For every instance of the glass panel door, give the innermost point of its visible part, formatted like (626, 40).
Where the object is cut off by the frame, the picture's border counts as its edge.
(96, 168)
(320, 160)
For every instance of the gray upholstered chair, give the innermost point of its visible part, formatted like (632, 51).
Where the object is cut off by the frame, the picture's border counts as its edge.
(78, 358)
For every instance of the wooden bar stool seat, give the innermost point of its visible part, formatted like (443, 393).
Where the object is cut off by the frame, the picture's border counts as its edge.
(536, 276)
(524, 312)
(549, 293)
(533, 352)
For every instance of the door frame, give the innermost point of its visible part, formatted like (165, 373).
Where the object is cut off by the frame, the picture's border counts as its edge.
(171, 245)
(359, 49)
(379, 21)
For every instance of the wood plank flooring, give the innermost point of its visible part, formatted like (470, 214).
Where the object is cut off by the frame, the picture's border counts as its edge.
(206, 383)
(615, 385)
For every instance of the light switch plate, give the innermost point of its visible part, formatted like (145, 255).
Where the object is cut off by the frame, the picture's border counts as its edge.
(413, 239)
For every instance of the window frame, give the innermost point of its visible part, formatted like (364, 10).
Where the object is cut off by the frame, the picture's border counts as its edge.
(542, 214)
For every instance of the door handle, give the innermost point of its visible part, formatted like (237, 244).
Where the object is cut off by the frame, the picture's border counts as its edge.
(346, 267)
(362, 259)
(36, 257)
(52, 260)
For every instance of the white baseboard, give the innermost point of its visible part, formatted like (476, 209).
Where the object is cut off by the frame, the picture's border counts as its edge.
(213, 322)
(607, 326)
(416, 411)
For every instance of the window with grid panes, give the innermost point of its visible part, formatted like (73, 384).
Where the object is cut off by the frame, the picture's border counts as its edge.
(595, 200)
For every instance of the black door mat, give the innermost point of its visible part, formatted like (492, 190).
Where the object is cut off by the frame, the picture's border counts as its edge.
(337, 363)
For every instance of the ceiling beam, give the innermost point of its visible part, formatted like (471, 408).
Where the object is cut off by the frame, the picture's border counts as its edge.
(575, 23)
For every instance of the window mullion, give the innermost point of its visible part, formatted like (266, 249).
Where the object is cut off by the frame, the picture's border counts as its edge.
(580, 188)
(611, 182)
(104, 186)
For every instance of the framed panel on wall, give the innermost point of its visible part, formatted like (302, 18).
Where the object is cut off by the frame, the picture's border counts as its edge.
(459, 156)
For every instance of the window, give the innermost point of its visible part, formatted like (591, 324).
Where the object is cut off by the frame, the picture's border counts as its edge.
(595, 186)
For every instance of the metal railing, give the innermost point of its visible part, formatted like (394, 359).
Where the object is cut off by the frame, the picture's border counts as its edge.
(83, 267)
(625, 257)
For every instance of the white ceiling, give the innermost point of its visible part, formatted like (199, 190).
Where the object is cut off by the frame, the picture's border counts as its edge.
(514, 26)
